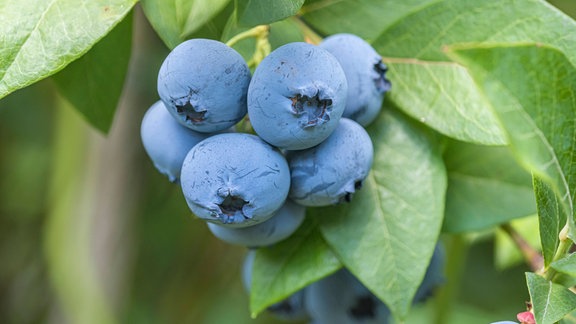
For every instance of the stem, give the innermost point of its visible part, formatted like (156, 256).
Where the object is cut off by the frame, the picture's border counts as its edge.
(563, 249)
(256, 32)
(263, 48)
(531, 255)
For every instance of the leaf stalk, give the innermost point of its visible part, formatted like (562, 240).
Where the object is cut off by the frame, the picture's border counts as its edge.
(563, 248)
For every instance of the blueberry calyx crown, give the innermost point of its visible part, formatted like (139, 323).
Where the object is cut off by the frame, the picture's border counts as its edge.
(348, 195)
(315, 109)
(231, 206)
(187, 111)
(382, 84)
(190, 114)
(364, 308)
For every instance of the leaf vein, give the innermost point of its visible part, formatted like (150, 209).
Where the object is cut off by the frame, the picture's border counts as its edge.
(34, 29)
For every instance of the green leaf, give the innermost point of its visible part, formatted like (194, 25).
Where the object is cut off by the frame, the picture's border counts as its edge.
(175, 20)
(41, 37)
(566, 265)
(551, 218)
(486, 187)
(412, 35)
(365, 18)
(423, 33)
(444, 97)
(386, 235)
(531, 89)
(551, 302)
(93, 83)
(259, 12)
(215, 27)
(286, 267)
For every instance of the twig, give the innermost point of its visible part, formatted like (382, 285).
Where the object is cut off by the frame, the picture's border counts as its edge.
(531, 255)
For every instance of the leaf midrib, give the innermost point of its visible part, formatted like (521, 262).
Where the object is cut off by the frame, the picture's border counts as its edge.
(389, 242)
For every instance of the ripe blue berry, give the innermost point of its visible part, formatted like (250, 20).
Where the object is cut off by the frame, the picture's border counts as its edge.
(291, 308)
(204, 83)
(341, 298)
(166, 141)
(332, 171)
(235, 179)
(296, 96)
(365, 72)
(278, 227)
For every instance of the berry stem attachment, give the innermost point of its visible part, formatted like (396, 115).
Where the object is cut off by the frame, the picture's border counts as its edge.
(256, 32)
(263, 48)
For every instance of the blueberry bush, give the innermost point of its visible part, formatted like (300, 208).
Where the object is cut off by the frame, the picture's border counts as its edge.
(314, 161)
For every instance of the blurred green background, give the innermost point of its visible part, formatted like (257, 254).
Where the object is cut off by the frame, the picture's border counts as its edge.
(91, 233)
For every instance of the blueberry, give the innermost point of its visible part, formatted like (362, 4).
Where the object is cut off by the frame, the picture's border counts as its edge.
(204, 84)
(166, 141)
(341, 298)
(235, 179)
(284, 222)
(504, 322)
(289, 309)
(296, 96)
(434, 276)
(332, 171)
(365, 72)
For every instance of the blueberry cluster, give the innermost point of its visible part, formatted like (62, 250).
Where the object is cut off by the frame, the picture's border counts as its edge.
(307, 105)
